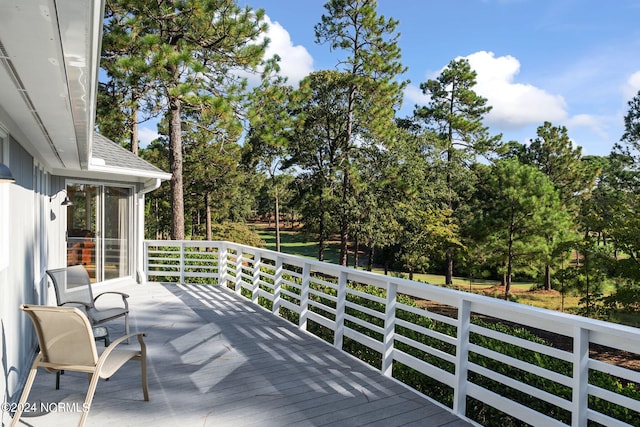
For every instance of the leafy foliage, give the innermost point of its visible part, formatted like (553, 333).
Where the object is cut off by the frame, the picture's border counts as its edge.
(520, 209)
(455, 114)
(411, 194)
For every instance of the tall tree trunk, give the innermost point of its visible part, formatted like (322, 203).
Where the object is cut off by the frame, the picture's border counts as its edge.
(344, 223)
(134, 124)
(507, 287)
(277, 214)
(449, 269)
(371, 255)
(156, 211)
(449, 256)
(175, 161)
(547, 277)
(356, 250)
(207, 203)
(321, 228)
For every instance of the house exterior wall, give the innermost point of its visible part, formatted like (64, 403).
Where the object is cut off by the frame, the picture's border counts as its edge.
(21, 278)
(33, 239)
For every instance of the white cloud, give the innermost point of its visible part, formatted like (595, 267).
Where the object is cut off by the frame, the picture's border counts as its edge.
(593, 123)
(295, 61)
(632, 86)
(146, 136)
(414, 95)
(515, 105)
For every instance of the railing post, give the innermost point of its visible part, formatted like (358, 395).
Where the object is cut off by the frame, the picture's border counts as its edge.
(277, 287)
(389, 329)
(238, 270)
(222, 265)
(145, 256)
(341, 305)
(462, 359)
(304, 297)
(255, 280)
(580, 398)
(182, 261)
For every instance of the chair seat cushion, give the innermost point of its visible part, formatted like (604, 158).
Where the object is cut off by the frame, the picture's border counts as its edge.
(116, 359)
(99, 316)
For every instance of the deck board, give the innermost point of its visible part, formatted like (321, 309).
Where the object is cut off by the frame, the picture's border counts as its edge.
(216, 360)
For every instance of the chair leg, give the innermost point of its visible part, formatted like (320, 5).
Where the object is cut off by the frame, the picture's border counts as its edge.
(126, 327)
(145, 386)
(143, 367)
(25, 393)
(89, 398)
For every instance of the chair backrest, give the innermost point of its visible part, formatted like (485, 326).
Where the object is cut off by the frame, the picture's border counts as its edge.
(64, 334)
(72, 284)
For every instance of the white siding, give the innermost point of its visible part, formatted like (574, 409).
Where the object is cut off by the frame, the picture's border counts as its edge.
(23, 248)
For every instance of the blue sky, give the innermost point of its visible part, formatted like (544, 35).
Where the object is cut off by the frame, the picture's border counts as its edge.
(575, 63)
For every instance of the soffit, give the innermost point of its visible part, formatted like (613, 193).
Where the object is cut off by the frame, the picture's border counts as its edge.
(49, 53)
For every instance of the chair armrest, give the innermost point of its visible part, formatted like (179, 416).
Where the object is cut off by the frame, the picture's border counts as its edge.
(84, 304)
(118, 341)
(121, 356)
(122, 294)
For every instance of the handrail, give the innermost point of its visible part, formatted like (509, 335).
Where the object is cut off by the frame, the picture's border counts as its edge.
(448, 338)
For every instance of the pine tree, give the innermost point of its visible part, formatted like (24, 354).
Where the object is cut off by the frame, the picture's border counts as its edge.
(192, 51)
(455, 114)
(519, 209)
(553, 153)
(372, 63)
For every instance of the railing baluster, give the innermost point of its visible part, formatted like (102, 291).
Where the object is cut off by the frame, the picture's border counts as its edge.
(341, 305)
(277, 287)
(182, 267)
(146, 260)
(238, 270)
(389, 329)
(255, 281)
(222, 265)
(462, 358)
(304, 296)
(580, 377)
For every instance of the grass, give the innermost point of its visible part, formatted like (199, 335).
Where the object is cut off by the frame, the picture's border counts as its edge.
(294, 242)
(297, 243)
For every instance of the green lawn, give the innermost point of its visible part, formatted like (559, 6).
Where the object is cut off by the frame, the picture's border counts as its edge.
(296, 243)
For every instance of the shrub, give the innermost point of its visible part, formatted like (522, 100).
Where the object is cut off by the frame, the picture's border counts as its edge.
(238, 233)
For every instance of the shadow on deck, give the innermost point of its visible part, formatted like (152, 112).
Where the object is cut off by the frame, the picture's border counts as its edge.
(216, 360)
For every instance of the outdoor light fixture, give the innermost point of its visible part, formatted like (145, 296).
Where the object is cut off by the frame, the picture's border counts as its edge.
(5, 174)
(65, 202)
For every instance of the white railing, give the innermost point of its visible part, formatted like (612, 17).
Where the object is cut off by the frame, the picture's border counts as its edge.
(451, 345)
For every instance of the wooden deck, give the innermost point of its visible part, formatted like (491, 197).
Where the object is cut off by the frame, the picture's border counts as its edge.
(216, 360)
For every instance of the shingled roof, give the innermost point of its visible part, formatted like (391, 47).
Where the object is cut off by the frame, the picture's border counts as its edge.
(112, 155)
